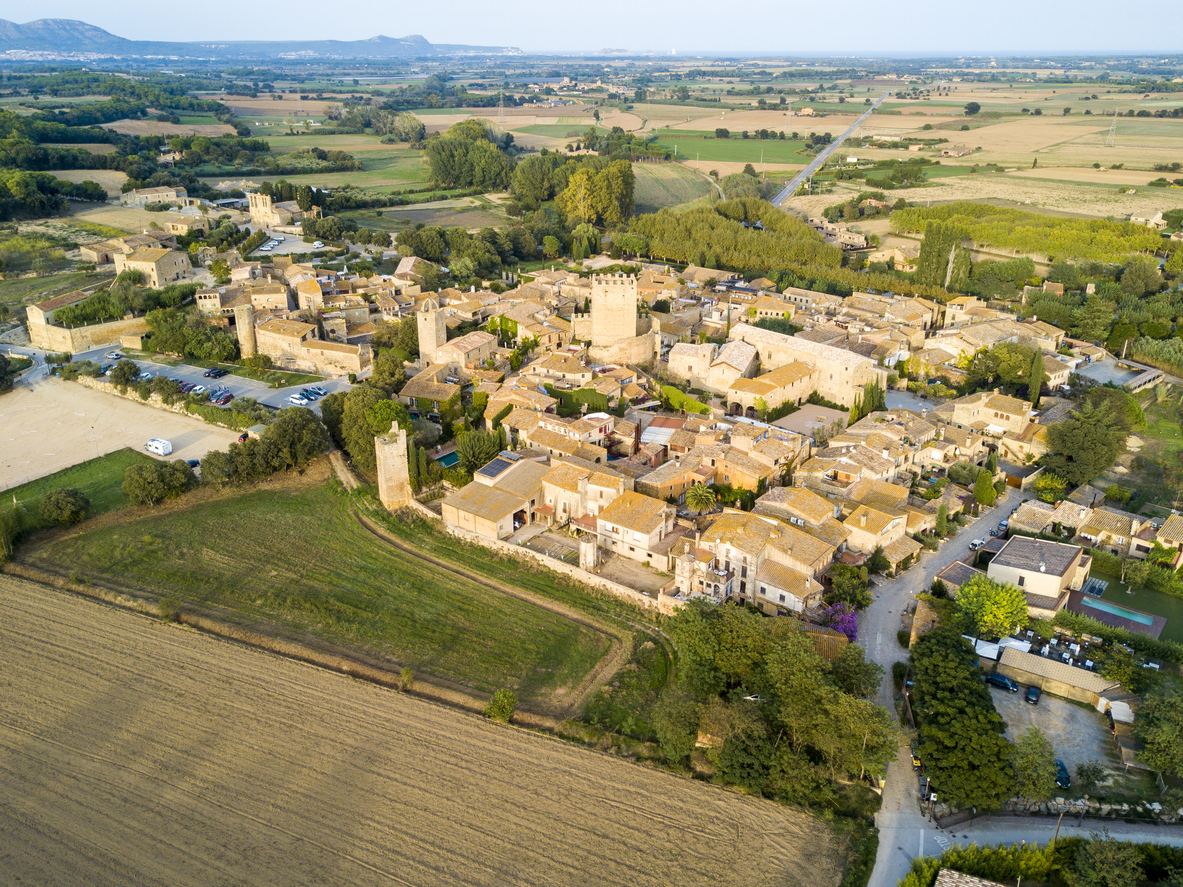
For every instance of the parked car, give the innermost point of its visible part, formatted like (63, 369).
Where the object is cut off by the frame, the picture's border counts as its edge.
(197, 389)
(209, 374)
(144, 377)
(1002, 525)
(186, 387)
(242, 437)
(976, 544)
(1032, 695)
(318, 390)
(298, 400)
(317, 245)
(114, 355)
(1002, 682)
(105, 368)
(309, 393)
(1063, 780)
(192, 463)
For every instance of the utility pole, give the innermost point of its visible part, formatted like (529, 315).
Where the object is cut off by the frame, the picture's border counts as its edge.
(1111, 139)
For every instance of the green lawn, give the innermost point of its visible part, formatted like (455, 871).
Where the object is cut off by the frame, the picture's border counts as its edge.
(560, 130)
(276, 378)
(736, 150)
(300, 557)
(100, 479)
(681, 401)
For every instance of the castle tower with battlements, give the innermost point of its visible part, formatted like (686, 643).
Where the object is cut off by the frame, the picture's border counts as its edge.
(613, 309)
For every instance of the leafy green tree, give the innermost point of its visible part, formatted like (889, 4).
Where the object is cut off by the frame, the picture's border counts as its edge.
(960, 733)
(972, 108)
(675, 721)
(65, 506)
(1160, 726)
(984, 492)
(152, 482)
(1036, 379)
(386, 414)
(220, 271)
(1084, 445)
(1105, 862)
(502, 706)
(1140, 277)
(853, 674)
(848, 586)
(357, 434)
(942, 524)
(1050, 487)
(1034, 762)
(991, 609)
(295, 438)
(476, 449)
(700, 497)
(123, 372)
(216, 468)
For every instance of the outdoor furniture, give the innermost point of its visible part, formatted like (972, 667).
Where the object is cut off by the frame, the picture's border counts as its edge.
(1088, 663)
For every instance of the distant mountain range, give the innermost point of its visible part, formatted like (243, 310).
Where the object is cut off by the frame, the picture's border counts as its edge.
(66, 38)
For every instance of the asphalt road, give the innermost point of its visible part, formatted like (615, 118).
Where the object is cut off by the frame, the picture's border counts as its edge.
(903, 831)
(791, 188)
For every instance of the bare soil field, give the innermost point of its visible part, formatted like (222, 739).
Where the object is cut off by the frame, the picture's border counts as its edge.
(56, 424)
(1073, 198)
(156, 128)
(111, 179)
(136, 752)
(126, 218)
(1088, 175)
(287, 106)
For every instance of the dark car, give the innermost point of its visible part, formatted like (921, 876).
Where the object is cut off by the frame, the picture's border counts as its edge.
(1002, 682)
(193, 463)
(242, 437)
(1063, 780)
(1032, 695)
(209, 374)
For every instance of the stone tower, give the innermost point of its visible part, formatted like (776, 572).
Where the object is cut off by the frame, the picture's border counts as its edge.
(589, 553)
(613, 308)
(244, 325)
(394, 477)
(432, 332)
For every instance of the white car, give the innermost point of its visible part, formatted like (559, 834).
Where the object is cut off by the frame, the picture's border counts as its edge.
(266, 249)
(114, 355)
(197, 389)
(317, 245)
(144, 377)
(298, 400)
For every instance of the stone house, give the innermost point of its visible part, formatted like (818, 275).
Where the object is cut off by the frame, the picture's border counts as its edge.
(158, 266)
(634, 526)
(1044, 571)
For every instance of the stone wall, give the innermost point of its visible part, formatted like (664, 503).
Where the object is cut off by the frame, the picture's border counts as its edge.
(1149, 812)
(641, 349)
(662, 604)
(56, 338)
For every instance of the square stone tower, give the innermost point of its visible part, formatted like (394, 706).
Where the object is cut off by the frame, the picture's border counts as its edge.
(613, 308)
(394, 477)
(432, 332)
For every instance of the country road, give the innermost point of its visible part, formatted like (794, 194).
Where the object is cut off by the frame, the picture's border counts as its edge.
(791, 188)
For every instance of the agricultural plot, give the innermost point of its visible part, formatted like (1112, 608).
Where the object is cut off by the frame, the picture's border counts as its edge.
(156, 128)
(111, 179)
(662, 185)
(135, 752)
(737, 150)
(20, 291)
(327, 576)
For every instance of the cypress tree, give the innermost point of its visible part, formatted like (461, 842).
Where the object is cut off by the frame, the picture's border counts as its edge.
(413, 466)
(1035, 380)
(422, 464)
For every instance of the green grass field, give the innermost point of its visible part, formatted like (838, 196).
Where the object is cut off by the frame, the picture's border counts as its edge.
(736, 150)
(560, 130)
(297, 555)
(679, 400)
(667, 184)
(100, 479)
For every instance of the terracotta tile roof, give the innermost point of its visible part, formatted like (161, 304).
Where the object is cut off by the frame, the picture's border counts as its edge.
(634, 511)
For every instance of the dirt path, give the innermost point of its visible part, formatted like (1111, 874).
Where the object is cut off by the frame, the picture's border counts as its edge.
(571, 701)
(136, 752)
(347, 477)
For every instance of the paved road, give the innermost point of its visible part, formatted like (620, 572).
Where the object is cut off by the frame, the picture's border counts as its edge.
(791, 188)
(903, 831)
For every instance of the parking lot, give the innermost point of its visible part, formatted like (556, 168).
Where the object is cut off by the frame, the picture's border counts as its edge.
(1078, 732)
(54, 424)
(239, 386)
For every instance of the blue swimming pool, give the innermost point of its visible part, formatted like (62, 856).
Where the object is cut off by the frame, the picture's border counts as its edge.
(448, 459)
(1114, 610)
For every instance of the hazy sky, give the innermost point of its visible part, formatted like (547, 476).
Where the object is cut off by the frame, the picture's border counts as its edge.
(796, 27)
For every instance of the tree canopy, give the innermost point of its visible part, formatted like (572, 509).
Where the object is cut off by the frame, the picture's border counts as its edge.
(991, 609)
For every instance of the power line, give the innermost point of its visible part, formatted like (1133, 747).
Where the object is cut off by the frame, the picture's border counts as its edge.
(1111, 139)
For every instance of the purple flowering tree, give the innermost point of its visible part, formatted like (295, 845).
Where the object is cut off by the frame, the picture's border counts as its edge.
(841, 617)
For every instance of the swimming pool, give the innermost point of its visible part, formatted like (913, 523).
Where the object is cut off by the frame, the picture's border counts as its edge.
(448, 459)
(1114, 610)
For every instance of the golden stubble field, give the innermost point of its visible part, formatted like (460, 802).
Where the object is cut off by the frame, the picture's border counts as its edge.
(137, 752)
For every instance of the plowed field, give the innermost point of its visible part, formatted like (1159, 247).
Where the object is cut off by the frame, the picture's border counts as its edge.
(132, 752)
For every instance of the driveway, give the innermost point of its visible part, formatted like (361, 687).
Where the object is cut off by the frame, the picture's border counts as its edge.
(239, 386)
(903, 831)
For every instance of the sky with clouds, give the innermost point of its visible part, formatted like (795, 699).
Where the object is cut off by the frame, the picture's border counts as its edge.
(742, 27)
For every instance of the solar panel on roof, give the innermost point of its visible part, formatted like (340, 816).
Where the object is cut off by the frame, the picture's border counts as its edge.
(494, 468)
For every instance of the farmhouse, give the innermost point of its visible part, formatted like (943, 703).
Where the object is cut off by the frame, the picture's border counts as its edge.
(146, 196)
(634, 526)
(503, 496)
(158, 266)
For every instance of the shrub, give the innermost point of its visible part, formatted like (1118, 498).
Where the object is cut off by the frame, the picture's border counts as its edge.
(65, 506)
(405, 679)
(899, 673)
(903, 637)
(502, 706)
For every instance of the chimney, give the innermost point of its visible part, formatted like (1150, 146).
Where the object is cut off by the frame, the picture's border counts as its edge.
(863, 520)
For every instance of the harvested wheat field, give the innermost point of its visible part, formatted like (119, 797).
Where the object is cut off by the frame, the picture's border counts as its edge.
(156, 128)
(134, 752)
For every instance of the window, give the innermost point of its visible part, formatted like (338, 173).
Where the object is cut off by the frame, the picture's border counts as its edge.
(630, 548)
(763, 590)
(1022, 581)
(742, 587)
(782, 598)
